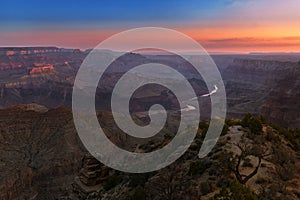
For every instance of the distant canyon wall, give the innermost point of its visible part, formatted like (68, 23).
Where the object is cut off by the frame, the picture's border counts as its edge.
(262, 87)
(259, 84)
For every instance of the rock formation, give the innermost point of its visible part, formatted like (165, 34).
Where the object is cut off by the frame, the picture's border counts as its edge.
(39, 70)
(90, 178)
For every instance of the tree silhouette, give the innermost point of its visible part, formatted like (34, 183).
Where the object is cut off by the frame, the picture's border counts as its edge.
(246, 150)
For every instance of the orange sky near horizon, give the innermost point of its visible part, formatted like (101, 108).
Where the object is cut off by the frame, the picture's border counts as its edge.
(244, 26)
(277, 38)
(213, 39)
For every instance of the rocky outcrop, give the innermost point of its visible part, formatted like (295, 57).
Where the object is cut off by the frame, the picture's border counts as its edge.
(90, 179)
(266, 164)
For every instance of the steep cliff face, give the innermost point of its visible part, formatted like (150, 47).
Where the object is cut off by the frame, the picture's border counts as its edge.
(39, 152)
(282, 106)
(249, 82)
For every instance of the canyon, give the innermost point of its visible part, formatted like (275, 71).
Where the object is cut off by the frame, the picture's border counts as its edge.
(254, 82)
(42, 157)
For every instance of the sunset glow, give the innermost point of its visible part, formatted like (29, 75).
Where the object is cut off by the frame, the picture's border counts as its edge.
(222, 26)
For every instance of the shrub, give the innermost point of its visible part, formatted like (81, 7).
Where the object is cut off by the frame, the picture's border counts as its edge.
(247, 163)
(232, 122)
(263, 165)
(139, 179)
(203, 125)
(223, 182)
(246, 120)
(139, 194)
(225, 129)
(236, 191)
(197, 168)
(272, 136)
(112, 181)
(253, 123)
(261, 181)
(205, 188)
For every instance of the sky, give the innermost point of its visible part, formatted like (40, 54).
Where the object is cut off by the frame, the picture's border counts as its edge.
(218, 25)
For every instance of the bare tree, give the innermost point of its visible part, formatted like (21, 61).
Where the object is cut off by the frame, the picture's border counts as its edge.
(246, 150)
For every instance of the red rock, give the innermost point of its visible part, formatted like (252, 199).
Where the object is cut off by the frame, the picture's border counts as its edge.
(44, 69)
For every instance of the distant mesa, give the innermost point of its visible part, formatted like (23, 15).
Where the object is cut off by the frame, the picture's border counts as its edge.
(11, 51)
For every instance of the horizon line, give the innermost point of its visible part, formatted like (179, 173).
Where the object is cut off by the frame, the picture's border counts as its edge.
(189, 52)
